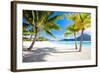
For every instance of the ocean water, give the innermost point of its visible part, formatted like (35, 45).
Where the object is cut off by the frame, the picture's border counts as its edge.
(86, 44)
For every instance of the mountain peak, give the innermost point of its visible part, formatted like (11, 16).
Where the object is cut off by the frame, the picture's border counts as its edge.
(86, 37)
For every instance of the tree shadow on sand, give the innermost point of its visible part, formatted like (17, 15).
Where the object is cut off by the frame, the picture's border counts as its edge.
(37, 55)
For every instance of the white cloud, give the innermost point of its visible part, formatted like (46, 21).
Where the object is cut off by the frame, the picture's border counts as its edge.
(88, 31)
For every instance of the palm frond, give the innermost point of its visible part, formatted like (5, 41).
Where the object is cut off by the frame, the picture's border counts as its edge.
(49, 33)
(52, 26)
(68, 33)
(57, 17)
(28, 15)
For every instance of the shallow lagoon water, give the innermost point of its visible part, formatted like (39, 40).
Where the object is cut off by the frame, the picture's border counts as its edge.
(86, 44)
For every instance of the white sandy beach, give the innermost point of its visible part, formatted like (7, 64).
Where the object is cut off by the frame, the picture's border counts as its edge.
(53, 52)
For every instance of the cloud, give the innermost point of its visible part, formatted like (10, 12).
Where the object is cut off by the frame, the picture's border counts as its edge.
(88, 31)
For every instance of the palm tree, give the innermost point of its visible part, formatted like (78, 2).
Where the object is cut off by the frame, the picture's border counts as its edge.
(70, 30)
(81, 22)
(27, 31)
(41, 21)
(85, 19)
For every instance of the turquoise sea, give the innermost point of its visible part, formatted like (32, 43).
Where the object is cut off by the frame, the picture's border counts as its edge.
(86, 44)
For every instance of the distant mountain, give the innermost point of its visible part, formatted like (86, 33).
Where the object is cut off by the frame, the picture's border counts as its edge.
(86, 37)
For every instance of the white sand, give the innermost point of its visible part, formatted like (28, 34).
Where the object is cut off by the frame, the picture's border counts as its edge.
(47, 51)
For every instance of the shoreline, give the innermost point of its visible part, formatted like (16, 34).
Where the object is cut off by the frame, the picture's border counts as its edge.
(51, 52)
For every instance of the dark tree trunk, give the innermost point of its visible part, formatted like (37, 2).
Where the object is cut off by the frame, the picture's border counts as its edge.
(81, 40)
(75, 40)
(33, 42)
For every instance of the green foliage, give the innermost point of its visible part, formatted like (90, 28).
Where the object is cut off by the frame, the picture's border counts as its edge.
(42, 39)
(81, 20)
(43, 20)
(27, 39)
(49, 32)
(70, 30)
(52, 26)
(55, 18)
(38, 39)
(68, 33)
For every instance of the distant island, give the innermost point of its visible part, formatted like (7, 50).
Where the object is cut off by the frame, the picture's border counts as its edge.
(86, 37)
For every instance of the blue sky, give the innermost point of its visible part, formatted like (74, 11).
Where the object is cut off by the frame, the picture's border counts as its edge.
(63, 23)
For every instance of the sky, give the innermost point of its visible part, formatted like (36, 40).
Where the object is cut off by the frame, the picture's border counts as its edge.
(63, 23)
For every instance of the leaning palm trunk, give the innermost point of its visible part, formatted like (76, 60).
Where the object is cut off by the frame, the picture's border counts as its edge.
(33, 42)
(75, 40)
(81, 40)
